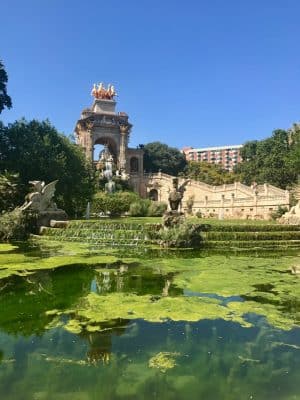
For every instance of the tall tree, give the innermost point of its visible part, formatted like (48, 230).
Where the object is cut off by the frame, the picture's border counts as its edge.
(36, 151)
(159, 156)
(294, 140)
(270, 160)
(5, 100)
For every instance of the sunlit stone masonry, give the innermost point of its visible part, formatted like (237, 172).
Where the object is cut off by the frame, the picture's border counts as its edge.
(101, 124)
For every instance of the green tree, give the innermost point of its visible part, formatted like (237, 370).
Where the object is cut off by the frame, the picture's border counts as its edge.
(272, 160)
(211, 174)
(36, 151)
(159, 156)
(9, 191)
(5, 100)
(294, 139)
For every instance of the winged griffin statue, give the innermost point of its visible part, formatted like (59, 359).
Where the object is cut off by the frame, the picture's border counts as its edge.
(176, 194)
(296, 209)
(292, 217)
(41, 199)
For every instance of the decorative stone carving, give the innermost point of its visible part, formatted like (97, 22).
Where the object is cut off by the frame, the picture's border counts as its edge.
(101, 93)
(41, 201)
(292, 217)
(42, 198)
(175, 217)
(176, 194)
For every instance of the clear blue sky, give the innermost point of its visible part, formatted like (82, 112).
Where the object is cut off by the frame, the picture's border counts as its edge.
(199, 73)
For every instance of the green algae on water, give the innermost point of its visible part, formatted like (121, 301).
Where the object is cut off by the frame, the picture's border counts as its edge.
(163, 361)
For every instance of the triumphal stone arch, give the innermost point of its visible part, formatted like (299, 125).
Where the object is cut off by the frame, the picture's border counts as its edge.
(101, 124)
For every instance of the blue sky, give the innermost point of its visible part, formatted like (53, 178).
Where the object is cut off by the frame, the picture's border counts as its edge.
(198, 73)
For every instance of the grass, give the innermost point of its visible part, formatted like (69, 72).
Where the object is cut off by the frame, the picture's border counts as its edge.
(125, 220)
(156, 220)
(215, 221)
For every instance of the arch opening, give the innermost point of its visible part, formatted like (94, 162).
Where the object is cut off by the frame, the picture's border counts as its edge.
(153, 195)
(99, 146)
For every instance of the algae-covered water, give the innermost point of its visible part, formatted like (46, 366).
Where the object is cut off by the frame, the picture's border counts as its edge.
(81, 323)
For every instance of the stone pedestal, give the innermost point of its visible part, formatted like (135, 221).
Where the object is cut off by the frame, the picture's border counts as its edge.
(44, 217)
(173, 218)
(104, 106)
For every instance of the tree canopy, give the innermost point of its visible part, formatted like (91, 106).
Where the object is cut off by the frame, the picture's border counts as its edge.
(36, 151)
(211, 174)
(9, 191)
(161, 157)
(274, 160)
(5, 100)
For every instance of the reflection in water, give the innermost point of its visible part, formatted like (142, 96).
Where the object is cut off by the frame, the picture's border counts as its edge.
(216, 358)
(100, 343)
(132, 280)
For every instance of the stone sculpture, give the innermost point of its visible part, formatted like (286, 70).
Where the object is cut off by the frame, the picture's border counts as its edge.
(174, 217)
(107, 160)
(176, 194)
(101, 93)
(42, 203)
(292, 217)
(42, 197)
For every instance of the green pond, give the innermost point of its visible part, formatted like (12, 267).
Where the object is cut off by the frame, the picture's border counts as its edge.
(81, 323)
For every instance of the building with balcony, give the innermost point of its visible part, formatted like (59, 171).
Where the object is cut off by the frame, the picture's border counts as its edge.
(225, 156)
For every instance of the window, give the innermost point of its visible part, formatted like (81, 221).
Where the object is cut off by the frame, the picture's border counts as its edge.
(134, 165)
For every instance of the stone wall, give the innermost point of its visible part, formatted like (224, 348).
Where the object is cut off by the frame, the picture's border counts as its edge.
(224, 201)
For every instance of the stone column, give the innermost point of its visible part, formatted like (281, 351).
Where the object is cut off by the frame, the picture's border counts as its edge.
(255, 201)
(123, 145)
(89, 141)
(232, 204)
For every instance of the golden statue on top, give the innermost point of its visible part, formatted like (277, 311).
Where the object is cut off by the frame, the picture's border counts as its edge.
(99, 91)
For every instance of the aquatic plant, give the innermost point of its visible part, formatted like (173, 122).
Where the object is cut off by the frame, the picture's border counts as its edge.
(182, 235)
(163, 361)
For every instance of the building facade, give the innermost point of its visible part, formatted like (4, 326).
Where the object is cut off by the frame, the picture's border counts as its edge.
(223, 201)
(101, 124)
(225, 156)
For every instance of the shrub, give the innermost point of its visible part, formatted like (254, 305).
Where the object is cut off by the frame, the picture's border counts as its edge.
(17, 225)
(9, 191)
(127, 198)
(157, 209)
(115, 204)
(199, 214)
(139, 208)
(279, 212)
(181, 236)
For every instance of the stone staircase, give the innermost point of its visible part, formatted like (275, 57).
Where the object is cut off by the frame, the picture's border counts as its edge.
(101, 234)
(219, 236)
(251, 236)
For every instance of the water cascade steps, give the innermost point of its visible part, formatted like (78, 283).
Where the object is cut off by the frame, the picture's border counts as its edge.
(105, 234)
(123, 234)
(245, 236)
